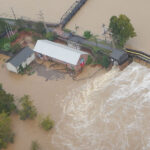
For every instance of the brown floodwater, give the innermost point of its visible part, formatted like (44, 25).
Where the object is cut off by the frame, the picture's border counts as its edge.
(97, 12)
(52, 9)
(91, 16)
(109, 111)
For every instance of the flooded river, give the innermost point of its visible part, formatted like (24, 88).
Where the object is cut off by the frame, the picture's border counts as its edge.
(110, 112)
(91, 16)
(52, 9)
(95, 13)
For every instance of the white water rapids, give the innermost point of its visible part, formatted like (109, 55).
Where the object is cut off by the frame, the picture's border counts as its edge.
(110, 112)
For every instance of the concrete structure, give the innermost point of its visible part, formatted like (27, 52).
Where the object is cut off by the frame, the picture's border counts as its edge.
(23, 58)
(72, 58)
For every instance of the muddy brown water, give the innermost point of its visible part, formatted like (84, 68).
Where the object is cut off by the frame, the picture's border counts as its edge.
(109, 111)
(52, 9)
(95, 13)
(90, 17)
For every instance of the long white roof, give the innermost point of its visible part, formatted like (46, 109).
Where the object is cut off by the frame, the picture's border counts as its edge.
(58, 51)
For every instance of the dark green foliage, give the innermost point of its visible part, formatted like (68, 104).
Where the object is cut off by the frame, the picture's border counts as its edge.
(21, 70)
(28, 111)
(39, 28)
(51, 36)
(121, 29)
(13, 37)
(6, 134)
(2, 26)
(6, 46)
(6, 102)
(47, 123)
(35, 145)
(20, 24)
(105, 61)
(26, 70)
(67, 30)
(5, 42)
(89, 60)
(87, 34)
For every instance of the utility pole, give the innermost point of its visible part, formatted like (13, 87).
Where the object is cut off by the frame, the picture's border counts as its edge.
(12, 10)
(41, 15)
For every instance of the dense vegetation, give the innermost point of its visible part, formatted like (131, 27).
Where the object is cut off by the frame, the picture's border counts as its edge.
(35, 145)
(2, 26)
(46, 123)
(87, 34)
(121, 29)
(6, 102)
(6, 134)
(7, 106)
(28, 110)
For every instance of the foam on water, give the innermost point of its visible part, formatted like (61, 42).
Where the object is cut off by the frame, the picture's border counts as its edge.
(110, 112)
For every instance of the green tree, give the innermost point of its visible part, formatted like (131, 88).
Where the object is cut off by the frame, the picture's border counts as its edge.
(6, 134)
(7, 46)
(2, 26)
(51, 36)
(87, 34)
(105, 61)
(35, 145)
(39, 28)
(121, 29)
(46, 123)
(6, 102)
(28, 111)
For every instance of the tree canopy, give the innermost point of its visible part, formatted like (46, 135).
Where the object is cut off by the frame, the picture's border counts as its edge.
(6, 102)
(121, 29)
(87, 34)
(6, 134)
(2, 26)
(28, 111)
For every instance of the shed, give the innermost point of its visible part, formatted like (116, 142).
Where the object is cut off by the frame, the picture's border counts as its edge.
(119, 55)
(23, 58)
(72, 58)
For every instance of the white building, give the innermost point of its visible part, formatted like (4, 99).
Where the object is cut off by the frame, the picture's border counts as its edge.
(23, 58)
(72, 58)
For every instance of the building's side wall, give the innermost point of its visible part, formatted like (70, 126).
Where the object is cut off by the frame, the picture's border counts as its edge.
(10, 67)
(78, 67)
(28, 60)
(70, 66)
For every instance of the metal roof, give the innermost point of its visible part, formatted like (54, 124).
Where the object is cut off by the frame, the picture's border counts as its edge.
(58, 51)
(119, 55)
(21, 57)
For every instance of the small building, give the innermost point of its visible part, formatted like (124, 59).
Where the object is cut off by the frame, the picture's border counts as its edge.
(119, 56)
(23, 58)
(73, 58)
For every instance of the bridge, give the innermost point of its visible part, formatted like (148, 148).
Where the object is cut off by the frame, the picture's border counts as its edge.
(71, 12)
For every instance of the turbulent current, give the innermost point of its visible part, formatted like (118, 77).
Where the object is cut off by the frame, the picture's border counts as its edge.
(109, 112)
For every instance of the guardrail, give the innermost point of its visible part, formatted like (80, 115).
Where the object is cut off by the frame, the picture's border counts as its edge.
(139, 54)
(71, 12)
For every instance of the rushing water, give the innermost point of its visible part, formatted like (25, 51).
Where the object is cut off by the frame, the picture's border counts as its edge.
(110, 112)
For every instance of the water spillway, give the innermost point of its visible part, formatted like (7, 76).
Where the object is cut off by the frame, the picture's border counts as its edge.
(109, 112)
